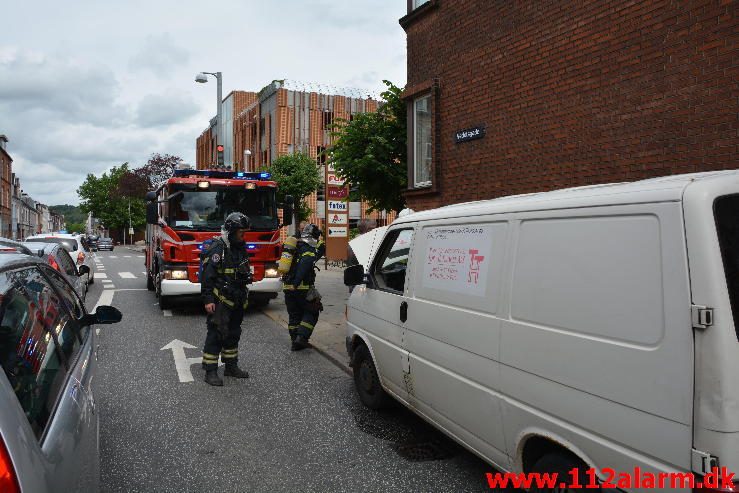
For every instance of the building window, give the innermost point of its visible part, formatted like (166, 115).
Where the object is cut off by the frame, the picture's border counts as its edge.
(328, 118)
(422, 155)
(418, 3)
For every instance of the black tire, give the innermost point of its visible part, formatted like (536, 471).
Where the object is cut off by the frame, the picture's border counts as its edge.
(164, 301)
(562, 464)
(149, 282)
(367, 381)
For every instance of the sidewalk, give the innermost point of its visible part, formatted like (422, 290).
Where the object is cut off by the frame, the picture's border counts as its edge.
(330, 332)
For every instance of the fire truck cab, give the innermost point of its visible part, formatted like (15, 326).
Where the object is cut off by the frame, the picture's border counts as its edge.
(188, 210)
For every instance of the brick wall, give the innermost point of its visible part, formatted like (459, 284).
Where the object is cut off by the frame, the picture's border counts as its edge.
(574, 93)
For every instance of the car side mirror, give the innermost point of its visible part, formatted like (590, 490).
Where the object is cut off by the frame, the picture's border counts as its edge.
(82, 270)
(354, 275)
(103, 315)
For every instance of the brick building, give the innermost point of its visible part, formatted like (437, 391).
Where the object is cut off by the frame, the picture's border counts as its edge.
(515, 97)
(287, 117)
(6, 171)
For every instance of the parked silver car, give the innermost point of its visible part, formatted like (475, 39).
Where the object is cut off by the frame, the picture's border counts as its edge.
(80, 252)
(58, 257)
(48, 420)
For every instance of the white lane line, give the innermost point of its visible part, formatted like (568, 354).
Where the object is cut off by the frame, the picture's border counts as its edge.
(140, 256)
(132, 289)
(126, 275)
(108, 286)
(167, 313)
(113, 256)
(126, 256)
(101, 275)
(107, 281)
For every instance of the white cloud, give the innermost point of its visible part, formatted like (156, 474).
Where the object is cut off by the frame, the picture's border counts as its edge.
(165, 109)
(159, 55)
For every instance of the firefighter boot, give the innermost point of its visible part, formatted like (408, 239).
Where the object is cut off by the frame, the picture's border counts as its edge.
(212, 378)
(233, 370)
(300, 343)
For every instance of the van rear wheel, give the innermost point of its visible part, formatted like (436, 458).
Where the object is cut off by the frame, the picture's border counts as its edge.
(561, 464)
(367, 381)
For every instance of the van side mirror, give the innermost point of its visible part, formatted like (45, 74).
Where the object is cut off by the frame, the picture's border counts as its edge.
(82, 270)
(103, 315)
(152, 214)
(354, 275)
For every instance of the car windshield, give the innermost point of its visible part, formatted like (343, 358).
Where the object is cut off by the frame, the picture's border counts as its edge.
(69, 244)
(206, 210)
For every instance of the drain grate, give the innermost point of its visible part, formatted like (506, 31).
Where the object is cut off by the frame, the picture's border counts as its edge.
(423, 451)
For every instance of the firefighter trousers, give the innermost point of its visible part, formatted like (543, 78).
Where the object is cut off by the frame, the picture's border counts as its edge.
(302, 316)
(227, 346)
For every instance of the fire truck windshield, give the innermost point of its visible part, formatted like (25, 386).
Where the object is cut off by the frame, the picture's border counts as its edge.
(193, 209)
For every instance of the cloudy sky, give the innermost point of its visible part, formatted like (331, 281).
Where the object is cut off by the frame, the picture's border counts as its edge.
(86, 85)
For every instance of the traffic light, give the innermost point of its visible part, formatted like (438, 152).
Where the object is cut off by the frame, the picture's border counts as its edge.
(219, 150)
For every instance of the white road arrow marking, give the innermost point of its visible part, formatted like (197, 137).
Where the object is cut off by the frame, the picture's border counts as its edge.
(181, 362)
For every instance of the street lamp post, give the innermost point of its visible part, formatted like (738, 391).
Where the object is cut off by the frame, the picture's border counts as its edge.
(247, 153)
(202, 78)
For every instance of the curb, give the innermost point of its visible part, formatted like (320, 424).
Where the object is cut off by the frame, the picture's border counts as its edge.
(325, 352)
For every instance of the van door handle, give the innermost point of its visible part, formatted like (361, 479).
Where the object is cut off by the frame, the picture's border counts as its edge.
(404, 311)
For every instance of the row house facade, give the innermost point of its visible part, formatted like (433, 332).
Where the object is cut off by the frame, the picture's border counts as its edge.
(6, 170)
(287, 117)
(508, 98)
(25, 214)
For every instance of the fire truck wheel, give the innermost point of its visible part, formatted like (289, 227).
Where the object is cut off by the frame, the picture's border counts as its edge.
(164, 301)
(149, 282)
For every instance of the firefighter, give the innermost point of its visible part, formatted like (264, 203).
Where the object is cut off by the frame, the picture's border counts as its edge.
(226, 274)
(301, 297)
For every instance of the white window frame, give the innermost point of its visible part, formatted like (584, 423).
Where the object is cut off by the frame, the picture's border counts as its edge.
(416, 183)
(418, 3)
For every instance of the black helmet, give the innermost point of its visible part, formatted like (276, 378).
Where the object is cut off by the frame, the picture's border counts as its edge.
(234, 221)
(311, 231)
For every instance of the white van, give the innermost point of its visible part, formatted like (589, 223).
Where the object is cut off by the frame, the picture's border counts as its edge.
(594, 327)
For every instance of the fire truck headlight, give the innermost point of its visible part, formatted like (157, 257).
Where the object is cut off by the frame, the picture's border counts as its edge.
(203, 184)
(175, 275)
(270, 270)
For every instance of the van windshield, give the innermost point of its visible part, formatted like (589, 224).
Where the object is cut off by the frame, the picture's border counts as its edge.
(726, 213)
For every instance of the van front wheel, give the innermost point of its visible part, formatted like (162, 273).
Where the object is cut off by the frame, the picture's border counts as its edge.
(561, 465)
(367, 381)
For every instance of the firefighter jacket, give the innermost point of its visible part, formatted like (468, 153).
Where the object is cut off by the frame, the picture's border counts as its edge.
(226, 273)
(302, 275)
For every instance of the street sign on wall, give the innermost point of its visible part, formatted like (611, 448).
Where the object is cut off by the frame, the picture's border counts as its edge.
(337, 231)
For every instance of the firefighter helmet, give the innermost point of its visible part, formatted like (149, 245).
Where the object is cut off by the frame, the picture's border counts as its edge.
(234, 221)
(311, 231)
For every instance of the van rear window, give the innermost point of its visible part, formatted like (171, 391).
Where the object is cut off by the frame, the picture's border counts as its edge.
(726, 212)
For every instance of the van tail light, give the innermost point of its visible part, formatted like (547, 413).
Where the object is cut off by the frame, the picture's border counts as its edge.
(80, 257)
(53, 263)
(8, 479)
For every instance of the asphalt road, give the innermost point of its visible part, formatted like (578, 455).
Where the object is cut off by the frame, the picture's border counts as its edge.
(296, 425)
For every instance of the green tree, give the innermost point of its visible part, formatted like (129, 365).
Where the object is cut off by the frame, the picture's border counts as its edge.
(106, 200)
(370, 152)
(296, 175)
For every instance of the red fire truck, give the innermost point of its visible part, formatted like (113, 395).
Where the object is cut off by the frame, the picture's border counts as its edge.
(189, 209)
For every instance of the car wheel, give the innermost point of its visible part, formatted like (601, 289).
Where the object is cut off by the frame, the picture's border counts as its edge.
(560, 464)
(367, 381)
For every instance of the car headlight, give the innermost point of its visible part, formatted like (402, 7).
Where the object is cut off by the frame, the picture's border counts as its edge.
(270, 270)
(175, 275)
